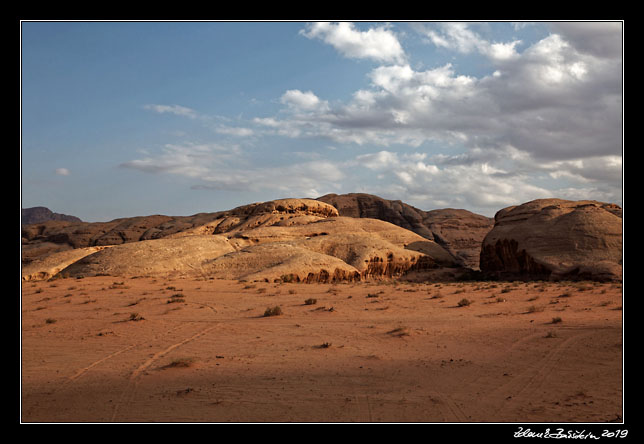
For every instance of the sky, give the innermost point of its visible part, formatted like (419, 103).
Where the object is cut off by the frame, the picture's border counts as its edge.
(123, 119)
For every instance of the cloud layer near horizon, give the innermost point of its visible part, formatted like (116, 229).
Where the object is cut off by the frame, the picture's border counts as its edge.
(545, 121)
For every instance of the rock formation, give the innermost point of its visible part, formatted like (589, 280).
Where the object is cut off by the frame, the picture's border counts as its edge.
(460, 232)
(555, 239)
(289, 239)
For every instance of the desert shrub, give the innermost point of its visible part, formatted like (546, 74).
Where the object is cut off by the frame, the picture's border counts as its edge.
(556, 320)
(274, 311)
(400, 331)
(178, 297)
(464, 302)
(181, 362)
(50, 321)
(135, 317)
(311, 301)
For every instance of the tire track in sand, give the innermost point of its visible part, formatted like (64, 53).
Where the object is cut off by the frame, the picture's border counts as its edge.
(530, 379)
(128, 394)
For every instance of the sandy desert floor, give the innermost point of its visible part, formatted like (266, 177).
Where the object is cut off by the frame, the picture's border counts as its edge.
(108, 349)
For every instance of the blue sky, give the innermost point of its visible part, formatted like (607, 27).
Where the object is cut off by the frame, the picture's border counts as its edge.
(123, 119)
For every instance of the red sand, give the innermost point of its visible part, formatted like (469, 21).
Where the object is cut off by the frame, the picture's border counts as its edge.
(364, 352)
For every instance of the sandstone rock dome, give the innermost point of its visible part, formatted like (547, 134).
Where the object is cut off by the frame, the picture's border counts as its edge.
(555, 239)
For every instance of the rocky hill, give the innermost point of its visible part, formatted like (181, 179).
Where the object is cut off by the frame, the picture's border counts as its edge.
(349, 237)
(460, 232)
(36, 215)
(555, 239)
(289, 239)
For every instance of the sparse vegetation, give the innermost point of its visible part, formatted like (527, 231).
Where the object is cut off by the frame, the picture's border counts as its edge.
(50, 321)
(464, 302)
(311, 301)
(556, 320)
(175, 298)
(181, 362)
(273, 311)
(135, 317)
(398, 332)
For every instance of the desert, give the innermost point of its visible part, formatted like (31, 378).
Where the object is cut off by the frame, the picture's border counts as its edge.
(304, 310)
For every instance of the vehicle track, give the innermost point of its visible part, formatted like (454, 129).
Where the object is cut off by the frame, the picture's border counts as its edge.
(128, 394)
(531, 378)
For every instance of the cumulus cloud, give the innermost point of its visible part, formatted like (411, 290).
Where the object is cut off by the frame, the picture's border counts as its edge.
(459, 37)
(599, 39)
(379, 44)
(550, 101)
(305, 101)
(478, 186)
(547, 121)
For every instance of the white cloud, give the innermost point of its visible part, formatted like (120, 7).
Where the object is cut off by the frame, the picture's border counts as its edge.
(235, 131)
(548, 114)
(550, 101)
(190, 160)
(304, 101)
(172, 109)
(214, 166)
(459, 37)
(305, 179)
(62, 171)
(477, 186)
(379, 44)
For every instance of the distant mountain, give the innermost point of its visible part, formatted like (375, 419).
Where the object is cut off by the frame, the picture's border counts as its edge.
(36, 215)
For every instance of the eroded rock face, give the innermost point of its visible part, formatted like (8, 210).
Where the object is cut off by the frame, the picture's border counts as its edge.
(555, 239)
(460, 232)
